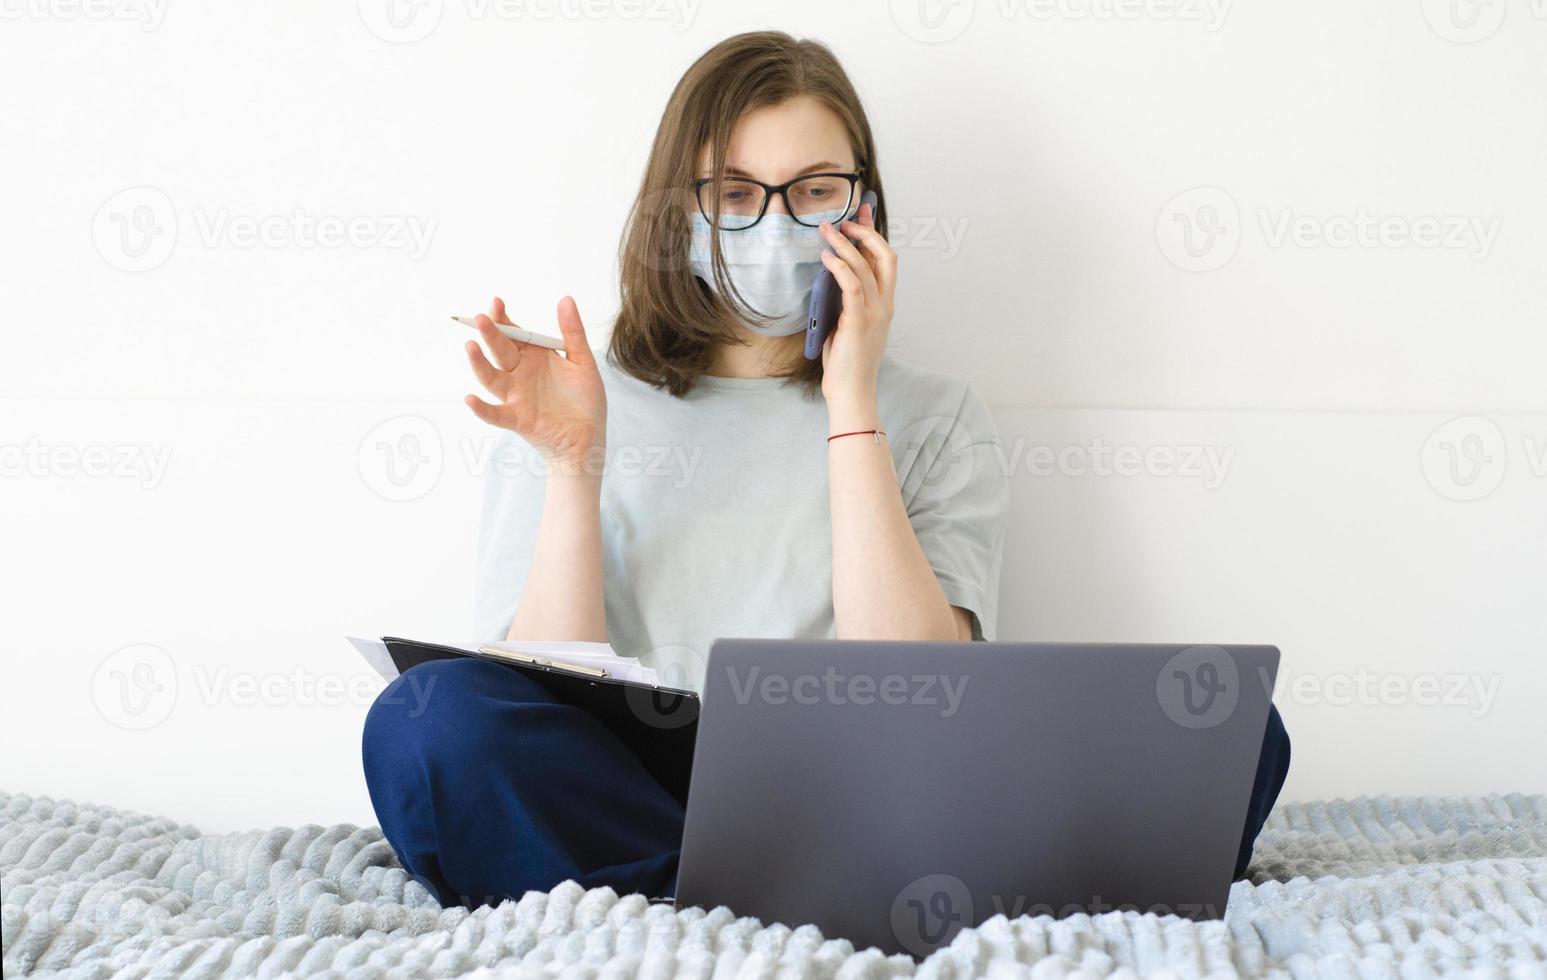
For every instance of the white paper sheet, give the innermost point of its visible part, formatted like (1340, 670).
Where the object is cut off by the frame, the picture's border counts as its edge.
(559, 652)
(375, 654)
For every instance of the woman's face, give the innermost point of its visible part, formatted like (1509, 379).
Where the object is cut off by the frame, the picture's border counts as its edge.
(778, 143)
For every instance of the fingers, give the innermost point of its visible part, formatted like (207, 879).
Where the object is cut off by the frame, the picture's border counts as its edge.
(850, 255)
(489, 413)
(573, 331)
(853, 290)
(488, 375)
(883, 258)
(497, 312)
(507, 353)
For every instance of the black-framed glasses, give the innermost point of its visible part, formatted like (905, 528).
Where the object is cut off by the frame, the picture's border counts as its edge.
(810, 199)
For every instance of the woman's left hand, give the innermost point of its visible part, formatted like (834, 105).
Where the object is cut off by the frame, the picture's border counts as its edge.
(867, 275)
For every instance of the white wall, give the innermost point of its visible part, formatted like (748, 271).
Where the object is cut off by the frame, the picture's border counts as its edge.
(1054, 168)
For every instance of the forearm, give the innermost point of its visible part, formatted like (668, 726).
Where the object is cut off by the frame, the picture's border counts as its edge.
(883, 585)
(562, 599)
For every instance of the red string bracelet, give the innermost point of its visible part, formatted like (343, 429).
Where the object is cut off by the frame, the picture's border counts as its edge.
(860, 432)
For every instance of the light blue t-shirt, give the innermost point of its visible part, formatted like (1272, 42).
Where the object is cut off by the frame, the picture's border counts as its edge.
(715, 517)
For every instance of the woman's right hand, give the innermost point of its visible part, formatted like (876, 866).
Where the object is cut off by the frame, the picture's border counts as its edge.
(555, 402)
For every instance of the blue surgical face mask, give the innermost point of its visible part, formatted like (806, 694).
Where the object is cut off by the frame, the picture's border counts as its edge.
(771, 265)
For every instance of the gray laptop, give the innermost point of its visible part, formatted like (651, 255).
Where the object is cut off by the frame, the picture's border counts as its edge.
(895, 793)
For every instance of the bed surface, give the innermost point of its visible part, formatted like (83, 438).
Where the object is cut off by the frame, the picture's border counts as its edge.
(1371, 887)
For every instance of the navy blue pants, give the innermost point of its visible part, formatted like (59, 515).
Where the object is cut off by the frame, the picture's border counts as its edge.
(487, 787)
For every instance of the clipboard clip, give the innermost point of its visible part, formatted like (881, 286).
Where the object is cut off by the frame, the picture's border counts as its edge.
(536, 661)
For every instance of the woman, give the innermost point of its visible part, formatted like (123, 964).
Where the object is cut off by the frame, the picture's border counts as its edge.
(702, 480)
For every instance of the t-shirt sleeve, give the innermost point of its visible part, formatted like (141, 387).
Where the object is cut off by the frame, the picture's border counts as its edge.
(514, 481)
(958, 498)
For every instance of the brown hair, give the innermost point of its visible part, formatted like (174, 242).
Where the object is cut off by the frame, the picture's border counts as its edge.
(669, 322)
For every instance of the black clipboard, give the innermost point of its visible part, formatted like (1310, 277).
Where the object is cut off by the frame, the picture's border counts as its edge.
(660, 724)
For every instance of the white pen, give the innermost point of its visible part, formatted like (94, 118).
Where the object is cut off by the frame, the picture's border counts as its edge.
(517, 333)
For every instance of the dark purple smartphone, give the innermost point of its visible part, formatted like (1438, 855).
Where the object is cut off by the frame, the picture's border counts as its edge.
(827, 298)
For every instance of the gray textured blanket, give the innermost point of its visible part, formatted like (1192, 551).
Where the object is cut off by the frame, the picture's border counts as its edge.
(1350, 888)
